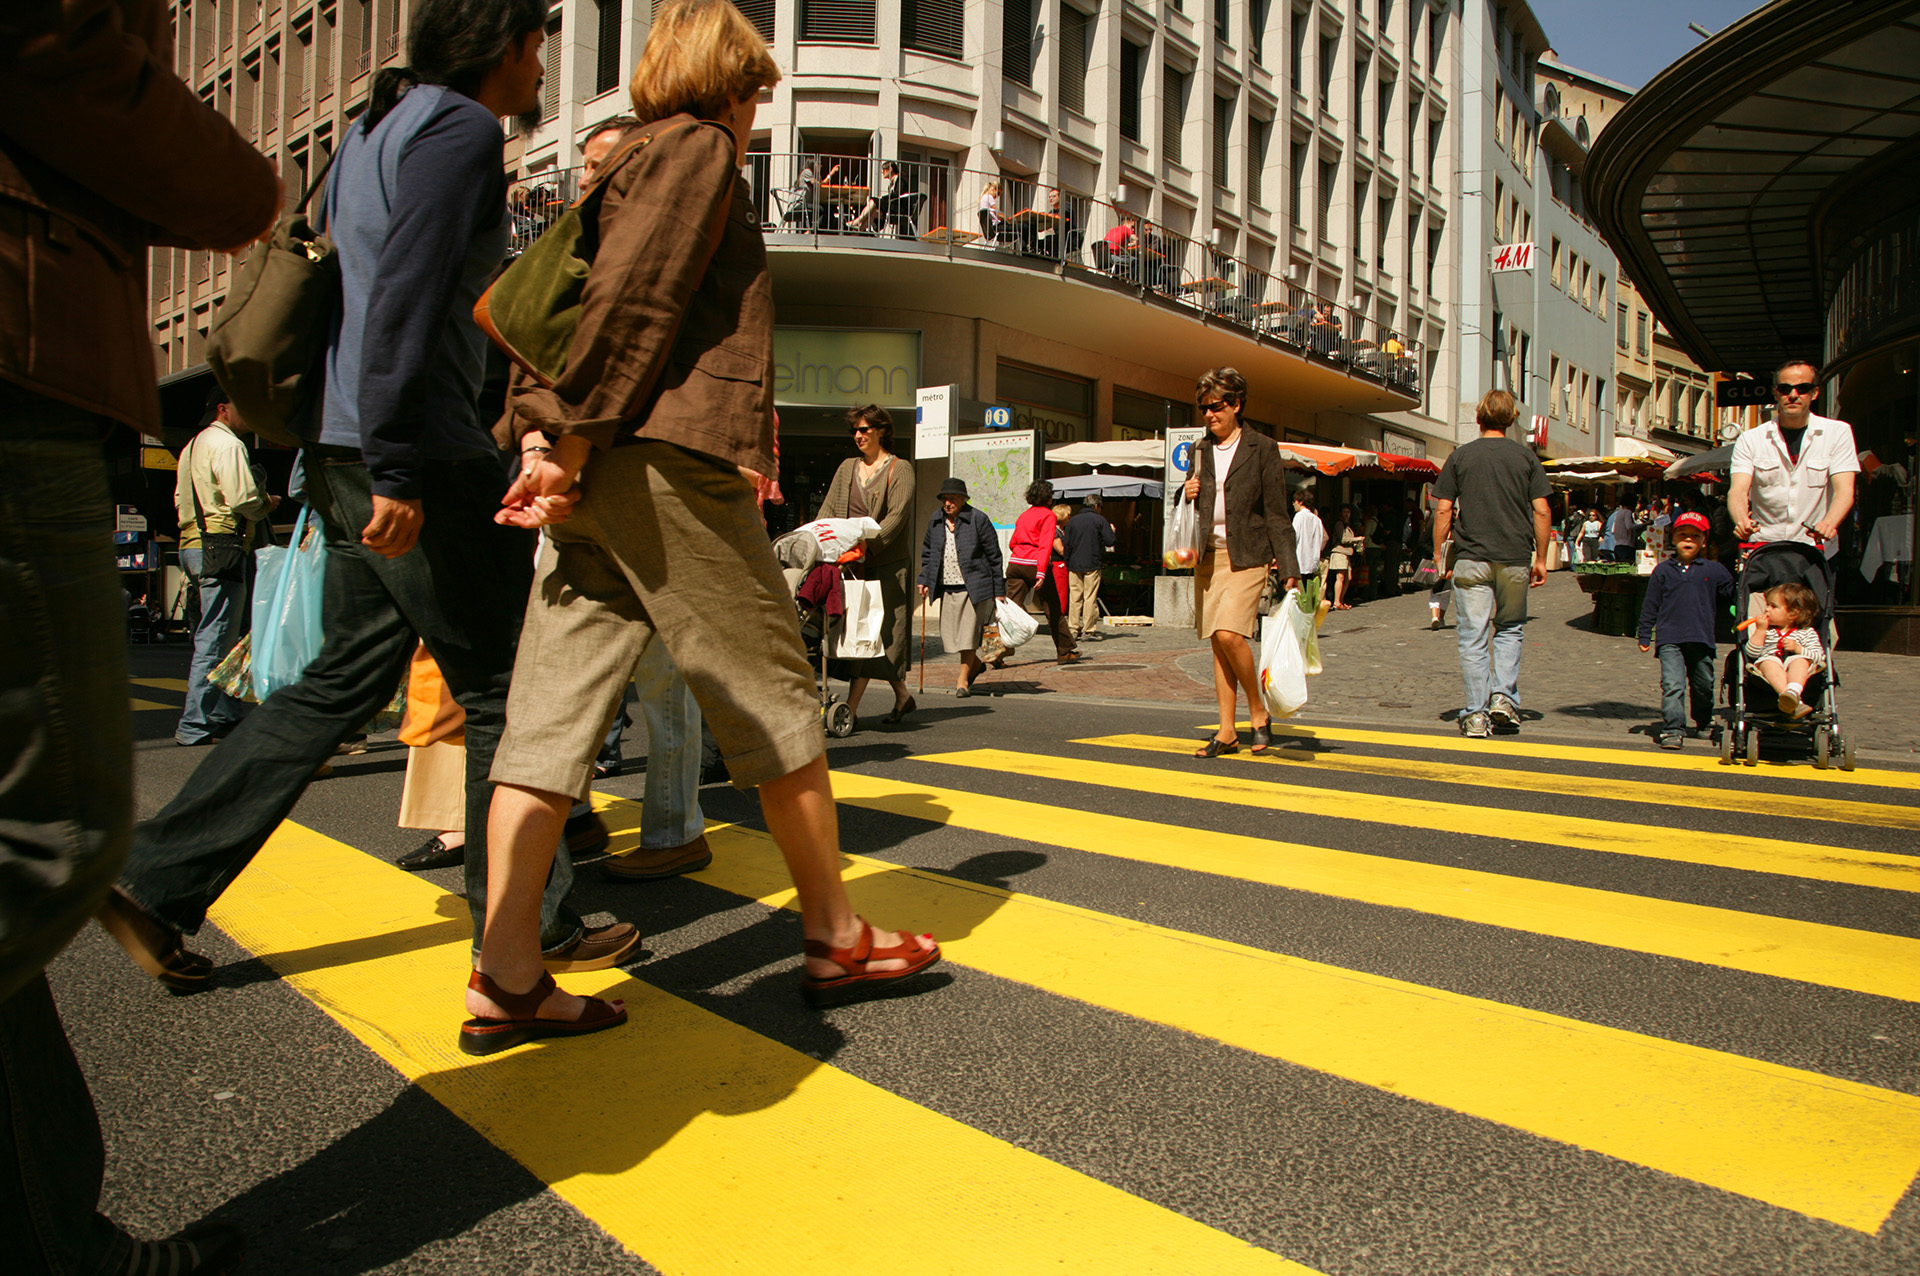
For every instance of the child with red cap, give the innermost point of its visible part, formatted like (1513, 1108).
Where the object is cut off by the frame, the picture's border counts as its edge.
(1684, 597)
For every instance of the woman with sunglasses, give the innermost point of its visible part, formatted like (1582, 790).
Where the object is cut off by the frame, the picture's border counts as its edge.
(1240, 486)
(879, 485)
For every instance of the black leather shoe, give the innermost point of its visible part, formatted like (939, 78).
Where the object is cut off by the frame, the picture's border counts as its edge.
(435, 854)
(587, 838)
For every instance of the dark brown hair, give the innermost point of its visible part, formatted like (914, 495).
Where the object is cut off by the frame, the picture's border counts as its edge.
(1225, 382)
(877, 417)
(1801, 602)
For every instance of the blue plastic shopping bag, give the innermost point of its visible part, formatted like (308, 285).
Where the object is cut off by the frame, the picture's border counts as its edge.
(286, 616)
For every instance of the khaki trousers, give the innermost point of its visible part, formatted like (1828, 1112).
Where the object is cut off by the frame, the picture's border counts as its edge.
(1083, 604)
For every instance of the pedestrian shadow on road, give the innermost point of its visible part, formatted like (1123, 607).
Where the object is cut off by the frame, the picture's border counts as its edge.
(454, 926)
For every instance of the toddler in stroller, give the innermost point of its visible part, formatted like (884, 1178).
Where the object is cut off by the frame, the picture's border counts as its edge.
(1781, 681)
(811, 558)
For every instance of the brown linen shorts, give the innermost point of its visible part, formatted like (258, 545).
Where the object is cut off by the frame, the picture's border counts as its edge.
(664, 542)
(1226, 599)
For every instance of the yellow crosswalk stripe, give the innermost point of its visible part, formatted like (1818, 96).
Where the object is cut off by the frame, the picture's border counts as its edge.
(1643, 757)
(163, 684)
(1818, 1145)
(141, 705)
(1831, 956)
(1787, 805)
(700, 1145)
(1720, 850)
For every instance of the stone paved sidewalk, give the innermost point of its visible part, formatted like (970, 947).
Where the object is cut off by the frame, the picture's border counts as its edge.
(1383, 665)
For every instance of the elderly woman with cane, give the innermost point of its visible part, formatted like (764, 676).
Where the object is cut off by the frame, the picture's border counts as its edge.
(639, 458)
(1240, 490)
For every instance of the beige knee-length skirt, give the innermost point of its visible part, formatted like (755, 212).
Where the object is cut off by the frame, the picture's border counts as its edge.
(1225, 599)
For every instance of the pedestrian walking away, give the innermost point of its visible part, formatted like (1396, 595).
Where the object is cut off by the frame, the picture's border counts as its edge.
(646, 483)
(1088, 536)
(85, 86)
(1491, 501)
(1240, 485)
(1684, 596)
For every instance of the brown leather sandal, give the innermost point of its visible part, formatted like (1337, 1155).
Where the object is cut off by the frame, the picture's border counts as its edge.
(488, 1036)
(833, 991)
(154, 947)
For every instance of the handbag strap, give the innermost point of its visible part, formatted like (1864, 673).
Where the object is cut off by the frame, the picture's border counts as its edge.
(193, 488)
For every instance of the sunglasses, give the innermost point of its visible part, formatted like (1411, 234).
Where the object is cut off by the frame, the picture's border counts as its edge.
(1805, 387)
(1218, 405)
(863, 429)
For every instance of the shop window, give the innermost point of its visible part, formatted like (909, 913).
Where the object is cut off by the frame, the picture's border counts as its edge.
(1058, 405)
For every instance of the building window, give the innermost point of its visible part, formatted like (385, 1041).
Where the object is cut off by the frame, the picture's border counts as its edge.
(1436, 38)
(1076, 30)
(1173, 115)
(1329, 174)
(1296, 181)
(1553, 385)
(550, 91)
(1640, 334)
(606, 61)
(1298, 64)
(937, 26)
(1222, 128)
(1133, 66)
(1435, 132)
(838, 21)
(1499, 211)
(1359, 206)
(1329, 50)
(1359, 96)
(1600, 297)
(1384, 108)
(1061, 406)
(1382, 225)
(1257, 14)
(1017, 40)
(1620, 335)
(760, 13)
(1258, 131)
(1220, 26)
(1555, 277)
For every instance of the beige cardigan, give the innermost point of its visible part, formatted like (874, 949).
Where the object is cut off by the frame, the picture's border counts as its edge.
(893, 544)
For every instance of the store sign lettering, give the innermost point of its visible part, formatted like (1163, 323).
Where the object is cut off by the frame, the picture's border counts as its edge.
(835, 367)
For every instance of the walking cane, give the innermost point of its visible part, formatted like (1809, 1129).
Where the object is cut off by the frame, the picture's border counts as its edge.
(923, 642)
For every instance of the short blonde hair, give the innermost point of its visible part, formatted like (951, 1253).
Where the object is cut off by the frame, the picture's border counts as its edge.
(701, 57)
(1497, 410)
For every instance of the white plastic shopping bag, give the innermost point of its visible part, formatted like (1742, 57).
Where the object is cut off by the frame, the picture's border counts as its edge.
(838, 535)
(860, 636)
(1283, 657)
(1183, 538)
(1016, 626)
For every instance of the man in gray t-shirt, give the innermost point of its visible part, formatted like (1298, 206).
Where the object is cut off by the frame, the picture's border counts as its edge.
(1499, 550)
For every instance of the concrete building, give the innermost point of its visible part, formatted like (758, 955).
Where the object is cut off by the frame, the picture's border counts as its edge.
(1536, 315)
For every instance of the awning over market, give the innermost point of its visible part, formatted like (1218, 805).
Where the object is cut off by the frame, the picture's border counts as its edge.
(1150, 453)
(1117, 487)
(1603, 469)
(1331, 460)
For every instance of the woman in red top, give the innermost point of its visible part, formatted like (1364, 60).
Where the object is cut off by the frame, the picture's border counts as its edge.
(1029, 551)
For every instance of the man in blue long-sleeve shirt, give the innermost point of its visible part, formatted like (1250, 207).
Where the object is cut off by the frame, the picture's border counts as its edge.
(1684, 596)
(405, 479)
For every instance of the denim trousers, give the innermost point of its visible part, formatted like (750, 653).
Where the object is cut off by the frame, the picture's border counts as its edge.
(66, 804)
(223, 618)
(670, 813)
(462, 590)
(1686, 666)
(1490, 612)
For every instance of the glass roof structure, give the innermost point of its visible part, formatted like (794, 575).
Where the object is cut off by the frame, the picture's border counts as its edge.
(1732, 185)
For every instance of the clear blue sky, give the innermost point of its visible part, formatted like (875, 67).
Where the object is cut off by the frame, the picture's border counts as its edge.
(1631, 40)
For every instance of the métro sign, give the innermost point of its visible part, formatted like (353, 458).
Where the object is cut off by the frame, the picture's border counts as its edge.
(1512, 257)
(1742, 394)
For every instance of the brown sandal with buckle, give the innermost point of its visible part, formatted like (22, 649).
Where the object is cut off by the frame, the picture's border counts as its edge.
(523, 1024)
(854, 960)
(154, 947)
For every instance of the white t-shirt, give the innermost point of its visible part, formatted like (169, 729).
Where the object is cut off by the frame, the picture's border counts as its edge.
(1309, 538)
(1222, 462)
(1788, 497)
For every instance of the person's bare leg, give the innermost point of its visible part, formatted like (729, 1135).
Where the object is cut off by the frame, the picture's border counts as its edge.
(1231, 649)
(1774, 672)
(800, 815)
(856, 687)
(970, 668)
(523, 828)
(1223, 697)
(900, 693)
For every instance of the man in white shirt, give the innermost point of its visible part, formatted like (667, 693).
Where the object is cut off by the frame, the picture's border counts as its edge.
(1309, 533)
(1792, 478)
(218, 501)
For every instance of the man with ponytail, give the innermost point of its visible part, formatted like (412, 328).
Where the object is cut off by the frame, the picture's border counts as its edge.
(405, 479)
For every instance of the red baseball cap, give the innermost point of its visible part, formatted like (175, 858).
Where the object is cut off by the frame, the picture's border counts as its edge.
(1698, 522)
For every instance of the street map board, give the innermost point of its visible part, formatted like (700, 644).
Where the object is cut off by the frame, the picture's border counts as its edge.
(997, 468)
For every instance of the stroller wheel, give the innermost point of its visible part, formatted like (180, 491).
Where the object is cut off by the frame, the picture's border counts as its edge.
(1726, 745)
(1846, 754)
(1753, 746)
(839, 718)
(1822, 747)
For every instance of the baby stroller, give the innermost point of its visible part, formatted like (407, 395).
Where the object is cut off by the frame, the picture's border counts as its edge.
(1750, 712)
(811, 558)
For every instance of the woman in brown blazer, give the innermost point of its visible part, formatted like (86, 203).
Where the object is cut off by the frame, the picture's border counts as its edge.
(1251, 533)
(879, 485)
(640, 461)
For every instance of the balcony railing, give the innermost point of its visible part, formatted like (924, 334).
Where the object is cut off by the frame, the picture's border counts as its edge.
(850, 202)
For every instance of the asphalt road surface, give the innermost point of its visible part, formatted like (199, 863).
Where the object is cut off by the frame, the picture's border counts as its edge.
(1388, 1002)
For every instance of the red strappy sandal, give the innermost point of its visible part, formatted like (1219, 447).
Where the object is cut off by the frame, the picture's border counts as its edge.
(488, 1036)
(855, 960)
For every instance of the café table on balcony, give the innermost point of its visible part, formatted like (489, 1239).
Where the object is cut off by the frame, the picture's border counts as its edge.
(1209, 292)
(1031, 225)
(836, 200)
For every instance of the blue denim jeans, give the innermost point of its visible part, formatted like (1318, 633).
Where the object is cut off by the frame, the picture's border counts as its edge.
(223, 618)
(66, 804)
(1490, 610)
(670, 814)
(1686, 666)
(462, 590)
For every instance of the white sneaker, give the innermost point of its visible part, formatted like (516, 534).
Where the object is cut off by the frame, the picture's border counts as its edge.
(1475, 726)
(1501, 709)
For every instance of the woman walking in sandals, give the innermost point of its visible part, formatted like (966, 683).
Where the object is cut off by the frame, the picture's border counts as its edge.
(638, 459)
(879, 485)
(1241, 486)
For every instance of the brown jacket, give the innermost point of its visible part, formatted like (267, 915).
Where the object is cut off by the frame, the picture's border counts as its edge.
(1259, 510)
(676, 336)
(102, 153)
